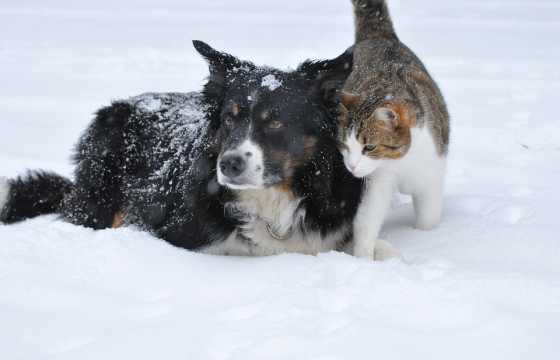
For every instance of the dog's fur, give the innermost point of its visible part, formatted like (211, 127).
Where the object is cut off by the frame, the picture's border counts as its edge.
(248, 167)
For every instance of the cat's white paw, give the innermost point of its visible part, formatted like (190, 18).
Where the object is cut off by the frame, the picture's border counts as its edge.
(378, 250)
(385, 251)
(427, 223)
(4, 192)
(366, 251)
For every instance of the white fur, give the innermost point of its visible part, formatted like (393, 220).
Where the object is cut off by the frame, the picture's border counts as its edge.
(276, 207)
(354, 159)
(273, 221)
(419, 173)
(385, 251)
(279, 210)
(253, 177)
(4, 191)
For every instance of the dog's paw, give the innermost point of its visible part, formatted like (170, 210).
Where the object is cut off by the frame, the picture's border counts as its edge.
(385, 251)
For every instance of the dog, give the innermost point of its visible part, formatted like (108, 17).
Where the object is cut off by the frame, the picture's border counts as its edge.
(248, 167)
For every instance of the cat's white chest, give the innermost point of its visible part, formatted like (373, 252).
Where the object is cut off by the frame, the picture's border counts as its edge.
(421, 166)
(419, 173)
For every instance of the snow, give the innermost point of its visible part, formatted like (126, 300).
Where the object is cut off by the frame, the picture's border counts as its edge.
(271, 82)
(485, 284)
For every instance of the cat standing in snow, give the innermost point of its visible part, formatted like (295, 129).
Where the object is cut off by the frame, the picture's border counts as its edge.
(394, 127)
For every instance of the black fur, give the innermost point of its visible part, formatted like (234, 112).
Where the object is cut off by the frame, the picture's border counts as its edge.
(98, 195)
(152, 164)
(37, 193)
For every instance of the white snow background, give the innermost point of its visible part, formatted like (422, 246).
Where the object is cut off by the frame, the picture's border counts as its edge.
(484, 285)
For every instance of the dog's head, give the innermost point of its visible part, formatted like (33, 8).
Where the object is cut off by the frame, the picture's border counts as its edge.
(269, 122)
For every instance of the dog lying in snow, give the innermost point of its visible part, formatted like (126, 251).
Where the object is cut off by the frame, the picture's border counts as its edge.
(250, 166)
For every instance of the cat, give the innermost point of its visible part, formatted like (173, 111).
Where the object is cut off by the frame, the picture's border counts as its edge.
(394, 127)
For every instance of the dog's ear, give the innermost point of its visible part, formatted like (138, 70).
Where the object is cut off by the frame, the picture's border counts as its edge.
(329, 76)
(221, 66)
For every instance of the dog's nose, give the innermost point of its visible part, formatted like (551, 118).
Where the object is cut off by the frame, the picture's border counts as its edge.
(233, 165)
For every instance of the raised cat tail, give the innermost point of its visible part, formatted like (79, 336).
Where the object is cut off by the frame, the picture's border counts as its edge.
(372, 19)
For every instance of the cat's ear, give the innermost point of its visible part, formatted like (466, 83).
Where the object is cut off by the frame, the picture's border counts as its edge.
(349, 100)
(387, 116)
(395, 115)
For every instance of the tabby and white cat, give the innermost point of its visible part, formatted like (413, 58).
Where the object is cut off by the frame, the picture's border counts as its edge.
(394, 127)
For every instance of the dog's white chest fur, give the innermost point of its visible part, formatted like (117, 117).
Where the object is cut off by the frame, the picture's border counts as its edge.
(274, 225)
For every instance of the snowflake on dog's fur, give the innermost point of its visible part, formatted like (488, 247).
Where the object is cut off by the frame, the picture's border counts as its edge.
(271, 82)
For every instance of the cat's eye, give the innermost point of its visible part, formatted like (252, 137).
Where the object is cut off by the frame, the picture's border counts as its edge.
(393, 147)
(370, 147)
(275, 125)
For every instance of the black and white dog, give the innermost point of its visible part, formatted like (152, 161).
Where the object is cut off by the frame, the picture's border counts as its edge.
(248, 167)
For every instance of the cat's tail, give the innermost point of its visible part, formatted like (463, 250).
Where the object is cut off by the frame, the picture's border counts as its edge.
(37, 193)
(372, 19)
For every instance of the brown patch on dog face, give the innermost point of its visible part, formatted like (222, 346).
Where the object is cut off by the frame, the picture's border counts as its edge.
(234, 108)
(288, 171)
(118, 220)
(290, 163)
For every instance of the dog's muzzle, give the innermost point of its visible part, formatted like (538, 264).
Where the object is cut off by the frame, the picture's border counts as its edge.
(242, 168)
(233, 166)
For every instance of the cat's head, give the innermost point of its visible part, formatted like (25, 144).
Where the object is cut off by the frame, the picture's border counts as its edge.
(373, 132)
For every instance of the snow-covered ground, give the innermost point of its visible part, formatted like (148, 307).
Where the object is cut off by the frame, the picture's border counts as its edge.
(484, 285)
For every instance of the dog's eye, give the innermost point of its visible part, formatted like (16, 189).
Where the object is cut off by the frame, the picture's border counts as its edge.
(228, 121)
(370, 147)
(275, 125)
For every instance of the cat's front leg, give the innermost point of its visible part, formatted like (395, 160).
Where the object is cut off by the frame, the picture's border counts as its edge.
(371, 214)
